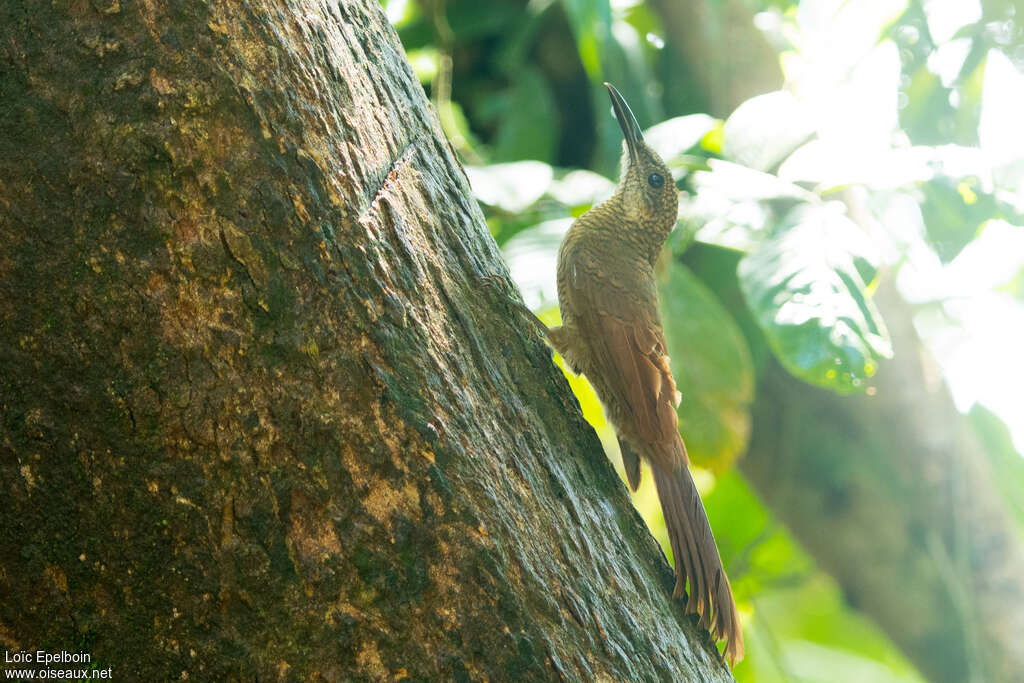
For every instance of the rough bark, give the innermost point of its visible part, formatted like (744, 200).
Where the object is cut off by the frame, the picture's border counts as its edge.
(259, 419)
(902, 511)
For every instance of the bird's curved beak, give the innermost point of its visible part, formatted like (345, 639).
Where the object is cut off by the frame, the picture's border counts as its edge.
(627, 122)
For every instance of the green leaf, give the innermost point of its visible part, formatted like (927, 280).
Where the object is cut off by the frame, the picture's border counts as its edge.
(425, 63)
(528, 126)
(672, 138)
(954, 211)
(961, 196)
(766, 129)
(734, 205)
(831, 164)
(806, 287)
(469, 21)
(954, 185)
(399, 12)
(814, 635)
(581, 188)
(739, 183)
(591, 22)
(532, 258)
(473, 20)
(928, 116)
(757, 551)
(712, 366)
(510, 187)
(792, 604)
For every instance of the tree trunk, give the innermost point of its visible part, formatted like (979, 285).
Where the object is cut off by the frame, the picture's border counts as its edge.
(260, 420)
(718, 53)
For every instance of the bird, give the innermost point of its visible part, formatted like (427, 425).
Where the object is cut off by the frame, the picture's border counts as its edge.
(611, 332)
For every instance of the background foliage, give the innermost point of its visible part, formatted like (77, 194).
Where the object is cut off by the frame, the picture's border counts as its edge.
(890, 150)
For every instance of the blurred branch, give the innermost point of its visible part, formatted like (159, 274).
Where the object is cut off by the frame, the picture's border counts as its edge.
(442, 90)
(727, 77)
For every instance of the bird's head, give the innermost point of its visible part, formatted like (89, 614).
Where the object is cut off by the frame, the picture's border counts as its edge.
(646, 190)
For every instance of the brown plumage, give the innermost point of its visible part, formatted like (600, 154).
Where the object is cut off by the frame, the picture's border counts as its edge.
(611, 332)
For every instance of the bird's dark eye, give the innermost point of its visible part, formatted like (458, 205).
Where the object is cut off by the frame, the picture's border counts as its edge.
(655, 180)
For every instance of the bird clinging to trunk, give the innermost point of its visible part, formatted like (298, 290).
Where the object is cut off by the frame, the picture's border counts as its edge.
(611, 332)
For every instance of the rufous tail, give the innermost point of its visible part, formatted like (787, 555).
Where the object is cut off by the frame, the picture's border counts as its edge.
(697, 559)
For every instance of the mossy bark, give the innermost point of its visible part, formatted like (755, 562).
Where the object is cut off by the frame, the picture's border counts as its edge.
(259, 418)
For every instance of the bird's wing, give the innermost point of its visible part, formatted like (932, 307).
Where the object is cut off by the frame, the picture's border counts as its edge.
(629, 367)
(618, 320)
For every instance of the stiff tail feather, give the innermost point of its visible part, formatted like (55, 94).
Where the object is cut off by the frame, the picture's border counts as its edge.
(631, 463)
(697, 559)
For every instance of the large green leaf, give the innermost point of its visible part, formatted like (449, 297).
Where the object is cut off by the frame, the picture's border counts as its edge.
(764, 130)
(528, 126)
(758, 552)
(738, 183)
(832, 164)
(532, 258)
(674, 137)
(521, 196)
(927, 106)
(580, 189)
(807, 288)
(511, 187)
(591, 22)
(734, 205)
(712, 367)
(954, 211)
